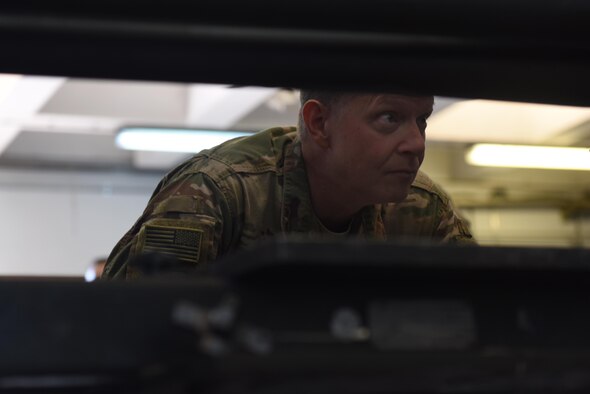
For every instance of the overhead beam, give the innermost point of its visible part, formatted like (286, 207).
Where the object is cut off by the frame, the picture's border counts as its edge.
(498, 49)
(220, 106)
(25, 97)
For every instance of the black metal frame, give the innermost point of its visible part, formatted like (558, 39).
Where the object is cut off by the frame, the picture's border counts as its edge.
(514, 50)
(520, 324)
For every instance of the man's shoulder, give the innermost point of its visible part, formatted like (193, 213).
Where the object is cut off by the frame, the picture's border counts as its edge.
(425, 186)
(426, 211)
(260, 152)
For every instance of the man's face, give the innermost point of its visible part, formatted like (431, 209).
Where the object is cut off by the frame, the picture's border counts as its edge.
(377, 144)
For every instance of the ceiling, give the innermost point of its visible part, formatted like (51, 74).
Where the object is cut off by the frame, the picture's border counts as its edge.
(71, 123)
(74, 121)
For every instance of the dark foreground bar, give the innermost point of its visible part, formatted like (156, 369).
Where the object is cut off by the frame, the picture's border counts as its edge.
(523, 50)
(296, 317)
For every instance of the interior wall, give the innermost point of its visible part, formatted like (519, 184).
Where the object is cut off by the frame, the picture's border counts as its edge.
(58, 223)
(535, 227)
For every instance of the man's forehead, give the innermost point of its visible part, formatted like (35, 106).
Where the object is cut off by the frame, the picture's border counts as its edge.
(400, 99)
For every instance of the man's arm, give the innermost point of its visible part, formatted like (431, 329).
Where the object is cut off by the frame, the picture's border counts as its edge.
(188, 219)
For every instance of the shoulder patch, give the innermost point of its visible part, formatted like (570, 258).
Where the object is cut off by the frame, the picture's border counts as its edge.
(184, 240)
(183, 243)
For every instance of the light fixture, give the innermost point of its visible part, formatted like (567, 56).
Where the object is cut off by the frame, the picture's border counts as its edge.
(501, 122)
(173, 140)
(527, 156)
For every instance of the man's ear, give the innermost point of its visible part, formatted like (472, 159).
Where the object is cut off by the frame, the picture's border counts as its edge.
(314, 115)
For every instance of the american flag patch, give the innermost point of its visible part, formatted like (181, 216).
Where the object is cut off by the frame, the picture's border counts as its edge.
(182, 243)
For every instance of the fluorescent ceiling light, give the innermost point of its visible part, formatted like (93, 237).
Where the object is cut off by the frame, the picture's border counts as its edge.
(525, 156)
(503, 122)
(173, 140)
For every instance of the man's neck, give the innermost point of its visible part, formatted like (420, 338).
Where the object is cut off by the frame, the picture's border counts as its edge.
(334, 207)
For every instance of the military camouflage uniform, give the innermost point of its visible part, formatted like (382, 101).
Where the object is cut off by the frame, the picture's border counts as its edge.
(232, 196)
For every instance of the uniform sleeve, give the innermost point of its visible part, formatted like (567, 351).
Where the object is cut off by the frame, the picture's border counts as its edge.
(191, 219)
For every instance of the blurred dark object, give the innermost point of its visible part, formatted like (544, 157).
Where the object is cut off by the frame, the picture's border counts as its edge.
(292, 317)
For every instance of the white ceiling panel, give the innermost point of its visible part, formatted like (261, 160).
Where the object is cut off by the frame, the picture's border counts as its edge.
(160, 103)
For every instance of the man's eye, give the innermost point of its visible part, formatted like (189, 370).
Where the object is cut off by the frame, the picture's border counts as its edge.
(423, 122)
(388, 118)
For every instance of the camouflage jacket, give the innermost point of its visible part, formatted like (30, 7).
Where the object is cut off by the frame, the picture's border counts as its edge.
(232, 196)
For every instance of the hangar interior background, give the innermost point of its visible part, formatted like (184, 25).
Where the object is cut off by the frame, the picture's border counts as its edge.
(68, 193)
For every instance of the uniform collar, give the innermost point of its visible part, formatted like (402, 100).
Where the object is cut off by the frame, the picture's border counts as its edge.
(297, 211)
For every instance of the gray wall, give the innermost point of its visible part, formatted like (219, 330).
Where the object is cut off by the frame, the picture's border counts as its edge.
(58, 223)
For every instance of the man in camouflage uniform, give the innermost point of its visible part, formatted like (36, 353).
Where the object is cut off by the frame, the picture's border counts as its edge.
(350, 169)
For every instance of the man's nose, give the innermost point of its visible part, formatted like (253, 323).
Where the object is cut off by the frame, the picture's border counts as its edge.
(414, 140)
